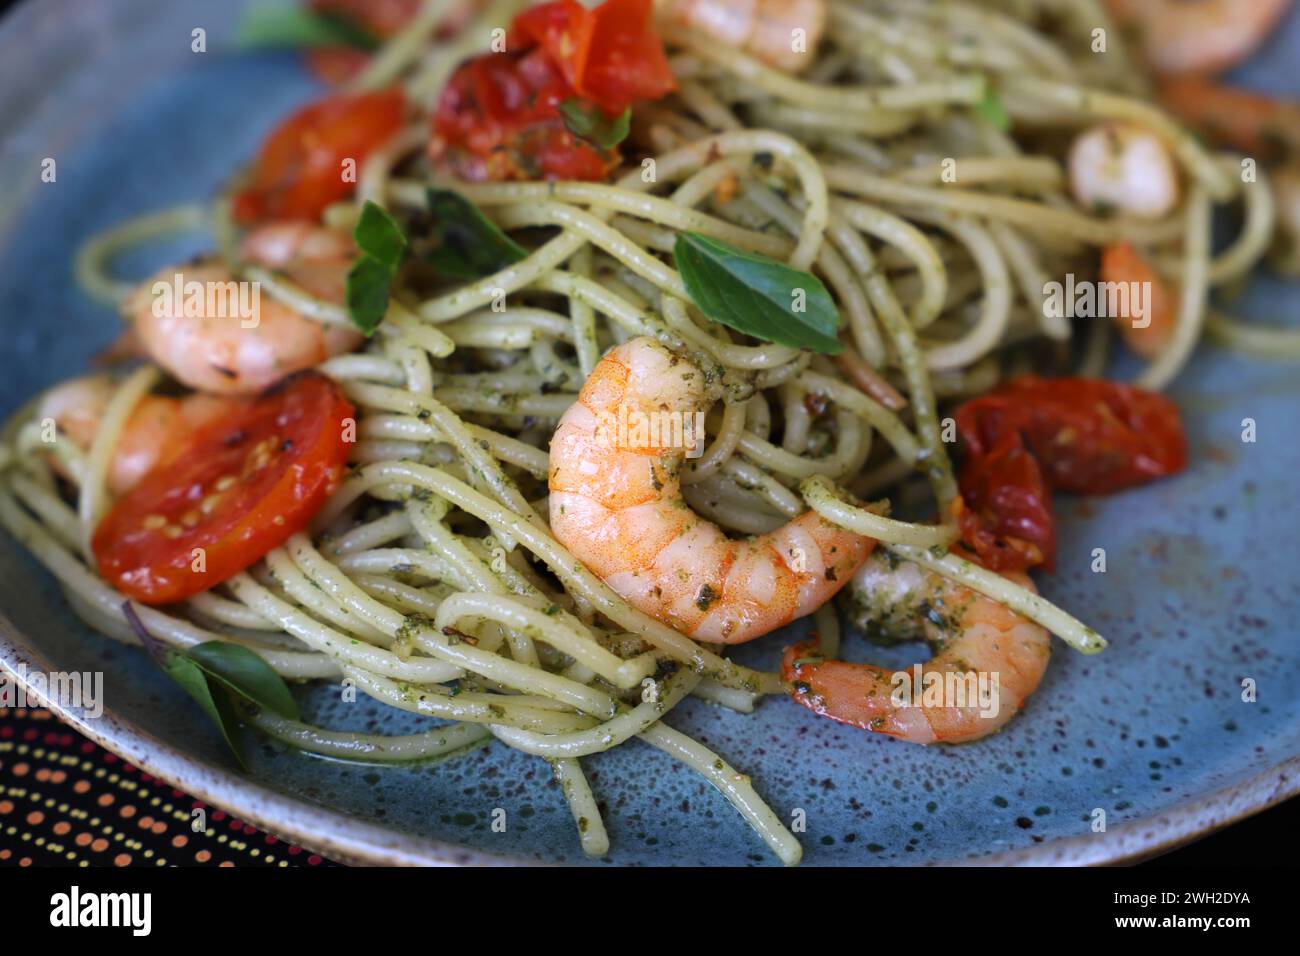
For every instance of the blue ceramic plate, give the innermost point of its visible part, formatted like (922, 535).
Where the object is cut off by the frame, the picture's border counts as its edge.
(1200, 591)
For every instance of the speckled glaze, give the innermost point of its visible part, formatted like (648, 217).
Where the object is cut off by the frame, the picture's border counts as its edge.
(1200, 590)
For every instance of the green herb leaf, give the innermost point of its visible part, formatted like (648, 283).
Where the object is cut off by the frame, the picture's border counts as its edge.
(366, 298)
(383, 248)
(211, 672)
(213, 700)
(379, 236)
(295, 28)
(993, 109)
(468, 245)
(590, 123)
(757, 295)
(247, 674)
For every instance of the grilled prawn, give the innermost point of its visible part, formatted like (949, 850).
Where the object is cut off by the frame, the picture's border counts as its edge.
(619, 508)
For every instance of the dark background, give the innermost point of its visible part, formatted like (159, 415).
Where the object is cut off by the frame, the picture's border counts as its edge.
(1271, 838)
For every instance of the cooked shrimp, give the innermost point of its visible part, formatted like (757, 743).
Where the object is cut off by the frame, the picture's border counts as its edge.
(616, 502)
(1263, 127)
(236, 354)
(1124, 168)
(152, 435)
(1199, 36)
(1149, 334)
(977, 642)
(764, 29)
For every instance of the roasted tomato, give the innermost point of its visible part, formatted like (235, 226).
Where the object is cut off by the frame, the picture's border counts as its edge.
(1033, 435)
(241, 487)
(299, 171)
(1005, 509)
(499, 116)
(1095, 437)
(499, 119)
(610, 56)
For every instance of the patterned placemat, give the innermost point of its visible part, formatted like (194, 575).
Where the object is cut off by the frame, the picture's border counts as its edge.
(66, 802)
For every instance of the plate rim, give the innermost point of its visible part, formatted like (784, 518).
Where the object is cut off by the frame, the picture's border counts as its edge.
(352, 840)
(336, 835)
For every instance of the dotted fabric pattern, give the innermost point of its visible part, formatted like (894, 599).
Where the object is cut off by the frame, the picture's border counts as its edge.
(66, 802)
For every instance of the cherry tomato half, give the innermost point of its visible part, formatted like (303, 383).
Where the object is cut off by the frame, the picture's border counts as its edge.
(499, 115)
(611, 56)
(1095, 437)
(499, 119)
(241, 487)
(299, 171)
(1033, 435)
(1005, 509)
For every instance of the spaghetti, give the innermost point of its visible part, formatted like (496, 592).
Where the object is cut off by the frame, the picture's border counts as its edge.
(431, 578)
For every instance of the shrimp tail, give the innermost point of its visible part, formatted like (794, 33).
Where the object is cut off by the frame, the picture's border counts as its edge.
(988, 660)
(855, 694)
(1147, 333)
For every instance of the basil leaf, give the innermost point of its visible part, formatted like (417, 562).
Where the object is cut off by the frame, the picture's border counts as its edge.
(213, 700)
(366, 298)
(214, 670)
(192, 680)
(590, 123)
(247, 674)
(993, 109)
(293, 28)
(378, 236)
(757, 295)
(383, 248)
(468, 244)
